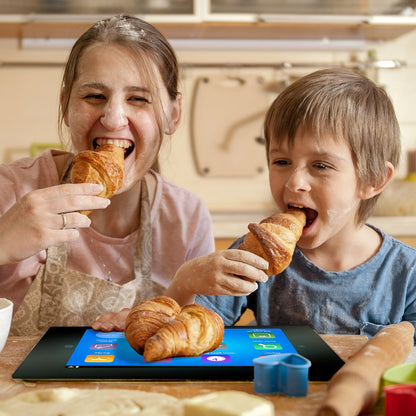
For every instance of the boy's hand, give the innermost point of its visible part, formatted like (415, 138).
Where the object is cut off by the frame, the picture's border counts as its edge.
(227, 272)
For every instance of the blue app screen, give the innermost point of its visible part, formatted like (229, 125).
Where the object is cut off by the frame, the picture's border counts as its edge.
(238, 348)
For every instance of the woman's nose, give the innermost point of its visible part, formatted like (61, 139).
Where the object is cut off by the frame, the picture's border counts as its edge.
(298, 181)
(114, 117)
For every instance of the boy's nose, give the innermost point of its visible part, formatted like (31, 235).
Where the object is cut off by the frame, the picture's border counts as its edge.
(298, 181)
(114, 117)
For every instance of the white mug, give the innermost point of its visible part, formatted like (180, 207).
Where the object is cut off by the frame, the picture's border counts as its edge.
(6, 312)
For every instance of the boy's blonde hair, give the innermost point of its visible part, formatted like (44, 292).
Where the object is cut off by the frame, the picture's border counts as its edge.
(347, 106)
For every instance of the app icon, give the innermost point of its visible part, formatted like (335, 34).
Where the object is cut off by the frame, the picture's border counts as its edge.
(99, 359)
(216, 358)
(103, 346)
(263, 335)
(267, 346)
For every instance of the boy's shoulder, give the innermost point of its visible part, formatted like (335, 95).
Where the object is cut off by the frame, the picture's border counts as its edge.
(390, 242)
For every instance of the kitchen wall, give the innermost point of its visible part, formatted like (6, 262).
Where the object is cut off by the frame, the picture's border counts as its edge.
(30, 90)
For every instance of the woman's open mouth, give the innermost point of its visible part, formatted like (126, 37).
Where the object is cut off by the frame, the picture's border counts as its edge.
(126, 145)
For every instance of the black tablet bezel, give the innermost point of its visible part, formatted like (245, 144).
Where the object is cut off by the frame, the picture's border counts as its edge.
(47, 361)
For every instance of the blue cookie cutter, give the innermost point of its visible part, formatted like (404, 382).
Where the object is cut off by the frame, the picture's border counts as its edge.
(281, 373)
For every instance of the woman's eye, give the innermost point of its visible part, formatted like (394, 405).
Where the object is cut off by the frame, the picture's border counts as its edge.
(140, 99)
(95, 96)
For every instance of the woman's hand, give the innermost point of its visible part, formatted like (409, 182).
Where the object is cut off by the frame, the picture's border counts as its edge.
(46, 217)
(113, 321)
(227, 272)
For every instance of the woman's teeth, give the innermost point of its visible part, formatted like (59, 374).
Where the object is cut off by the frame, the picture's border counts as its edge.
(124, 144)
(120, 143)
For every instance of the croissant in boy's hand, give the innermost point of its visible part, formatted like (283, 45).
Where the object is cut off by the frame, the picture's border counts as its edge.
(275, 238)
(104, 166)
(158, 328)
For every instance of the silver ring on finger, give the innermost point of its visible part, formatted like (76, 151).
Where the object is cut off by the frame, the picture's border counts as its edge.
(63, 221)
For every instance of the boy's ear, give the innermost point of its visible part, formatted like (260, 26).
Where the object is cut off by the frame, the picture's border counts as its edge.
(373, 190)
(175, 115)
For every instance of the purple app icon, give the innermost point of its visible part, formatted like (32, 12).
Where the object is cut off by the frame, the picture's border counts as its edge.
(223, 358)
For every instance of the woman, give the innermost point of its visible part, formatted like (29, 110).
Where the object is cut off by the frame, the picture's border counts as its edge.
(61, 267)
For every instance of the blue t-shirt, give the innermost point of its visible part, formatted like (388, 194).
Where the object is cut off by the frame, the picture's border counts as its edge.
(363, 300)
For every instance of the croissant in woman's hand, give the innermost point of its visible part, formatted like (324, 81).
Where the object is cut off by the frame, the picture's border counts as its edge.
(158, 328)
(275, 238)
(104, 166)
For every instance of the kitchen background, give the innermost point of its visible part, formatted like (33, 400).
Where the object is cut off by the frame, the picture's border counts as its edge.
(236, 56)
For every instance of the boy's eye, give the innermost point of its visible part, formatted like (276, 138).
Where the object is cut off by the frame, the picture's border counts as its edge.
(280, 162)
(322, 166)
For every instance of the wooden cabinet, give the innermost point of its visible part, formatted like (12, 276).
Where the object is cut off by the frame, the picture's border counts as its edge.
(378, 31)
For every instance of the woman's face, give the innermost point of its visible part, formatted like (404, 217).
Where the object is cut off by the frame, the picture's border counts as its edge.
(111, 102)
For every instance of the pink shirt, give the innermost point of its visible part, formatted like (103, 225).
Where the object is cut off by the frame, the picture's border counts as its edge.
(181, 230)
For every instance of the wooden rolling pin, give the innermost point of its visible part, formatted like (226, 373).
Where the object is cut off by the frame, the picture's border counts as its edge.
(354, 388)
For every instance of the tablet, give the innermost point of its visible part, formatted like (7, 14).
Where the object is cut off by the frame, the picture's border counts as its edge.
(82, 354)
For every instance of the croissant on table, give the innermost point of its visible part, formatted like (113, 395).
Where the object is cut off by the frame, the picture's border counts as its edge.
(104, 166)
(146, 318)
(191, 331)
(275, 238)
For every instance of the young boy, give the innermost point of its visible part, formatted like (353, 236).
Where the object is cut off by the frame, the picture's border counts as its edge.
(332, 143)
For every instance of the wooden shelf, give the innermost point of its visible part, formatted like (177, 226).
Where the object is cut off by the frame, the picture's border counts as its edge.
(220, 30)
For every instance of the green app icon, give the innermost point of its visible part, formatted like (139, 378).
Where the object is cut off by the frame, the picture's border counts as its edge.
(275, 346)
(262, 335)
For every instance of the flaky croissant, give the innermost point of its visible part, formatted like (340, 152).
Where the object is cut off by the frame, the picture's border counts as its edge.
(275, 238)
(146, 318)
(171, 332)
(104, 166)
(194, 331)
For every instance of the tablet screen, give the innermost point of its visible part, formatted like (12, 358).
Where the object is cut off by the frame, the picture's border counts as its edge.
(238, 348)
(79, 353)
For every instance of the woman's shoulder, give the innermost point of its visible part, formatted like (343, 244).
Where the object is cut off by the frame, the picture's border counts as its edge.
(40, 171)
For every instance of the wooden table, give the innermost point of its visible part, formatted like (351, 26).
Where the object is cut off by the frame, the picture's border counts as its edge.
(17, 348)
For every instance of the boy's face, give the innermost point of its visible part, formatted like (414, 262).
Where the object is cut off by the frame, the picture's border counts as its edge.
(319, 176)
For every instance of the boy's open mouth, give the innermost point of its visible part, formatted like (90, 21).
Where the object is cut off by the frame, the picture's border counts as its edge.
(310, 213)
(127, 145)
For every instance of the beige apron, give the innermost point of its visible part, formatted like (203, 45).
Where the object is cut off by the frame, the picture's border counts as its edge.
(62, 297)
